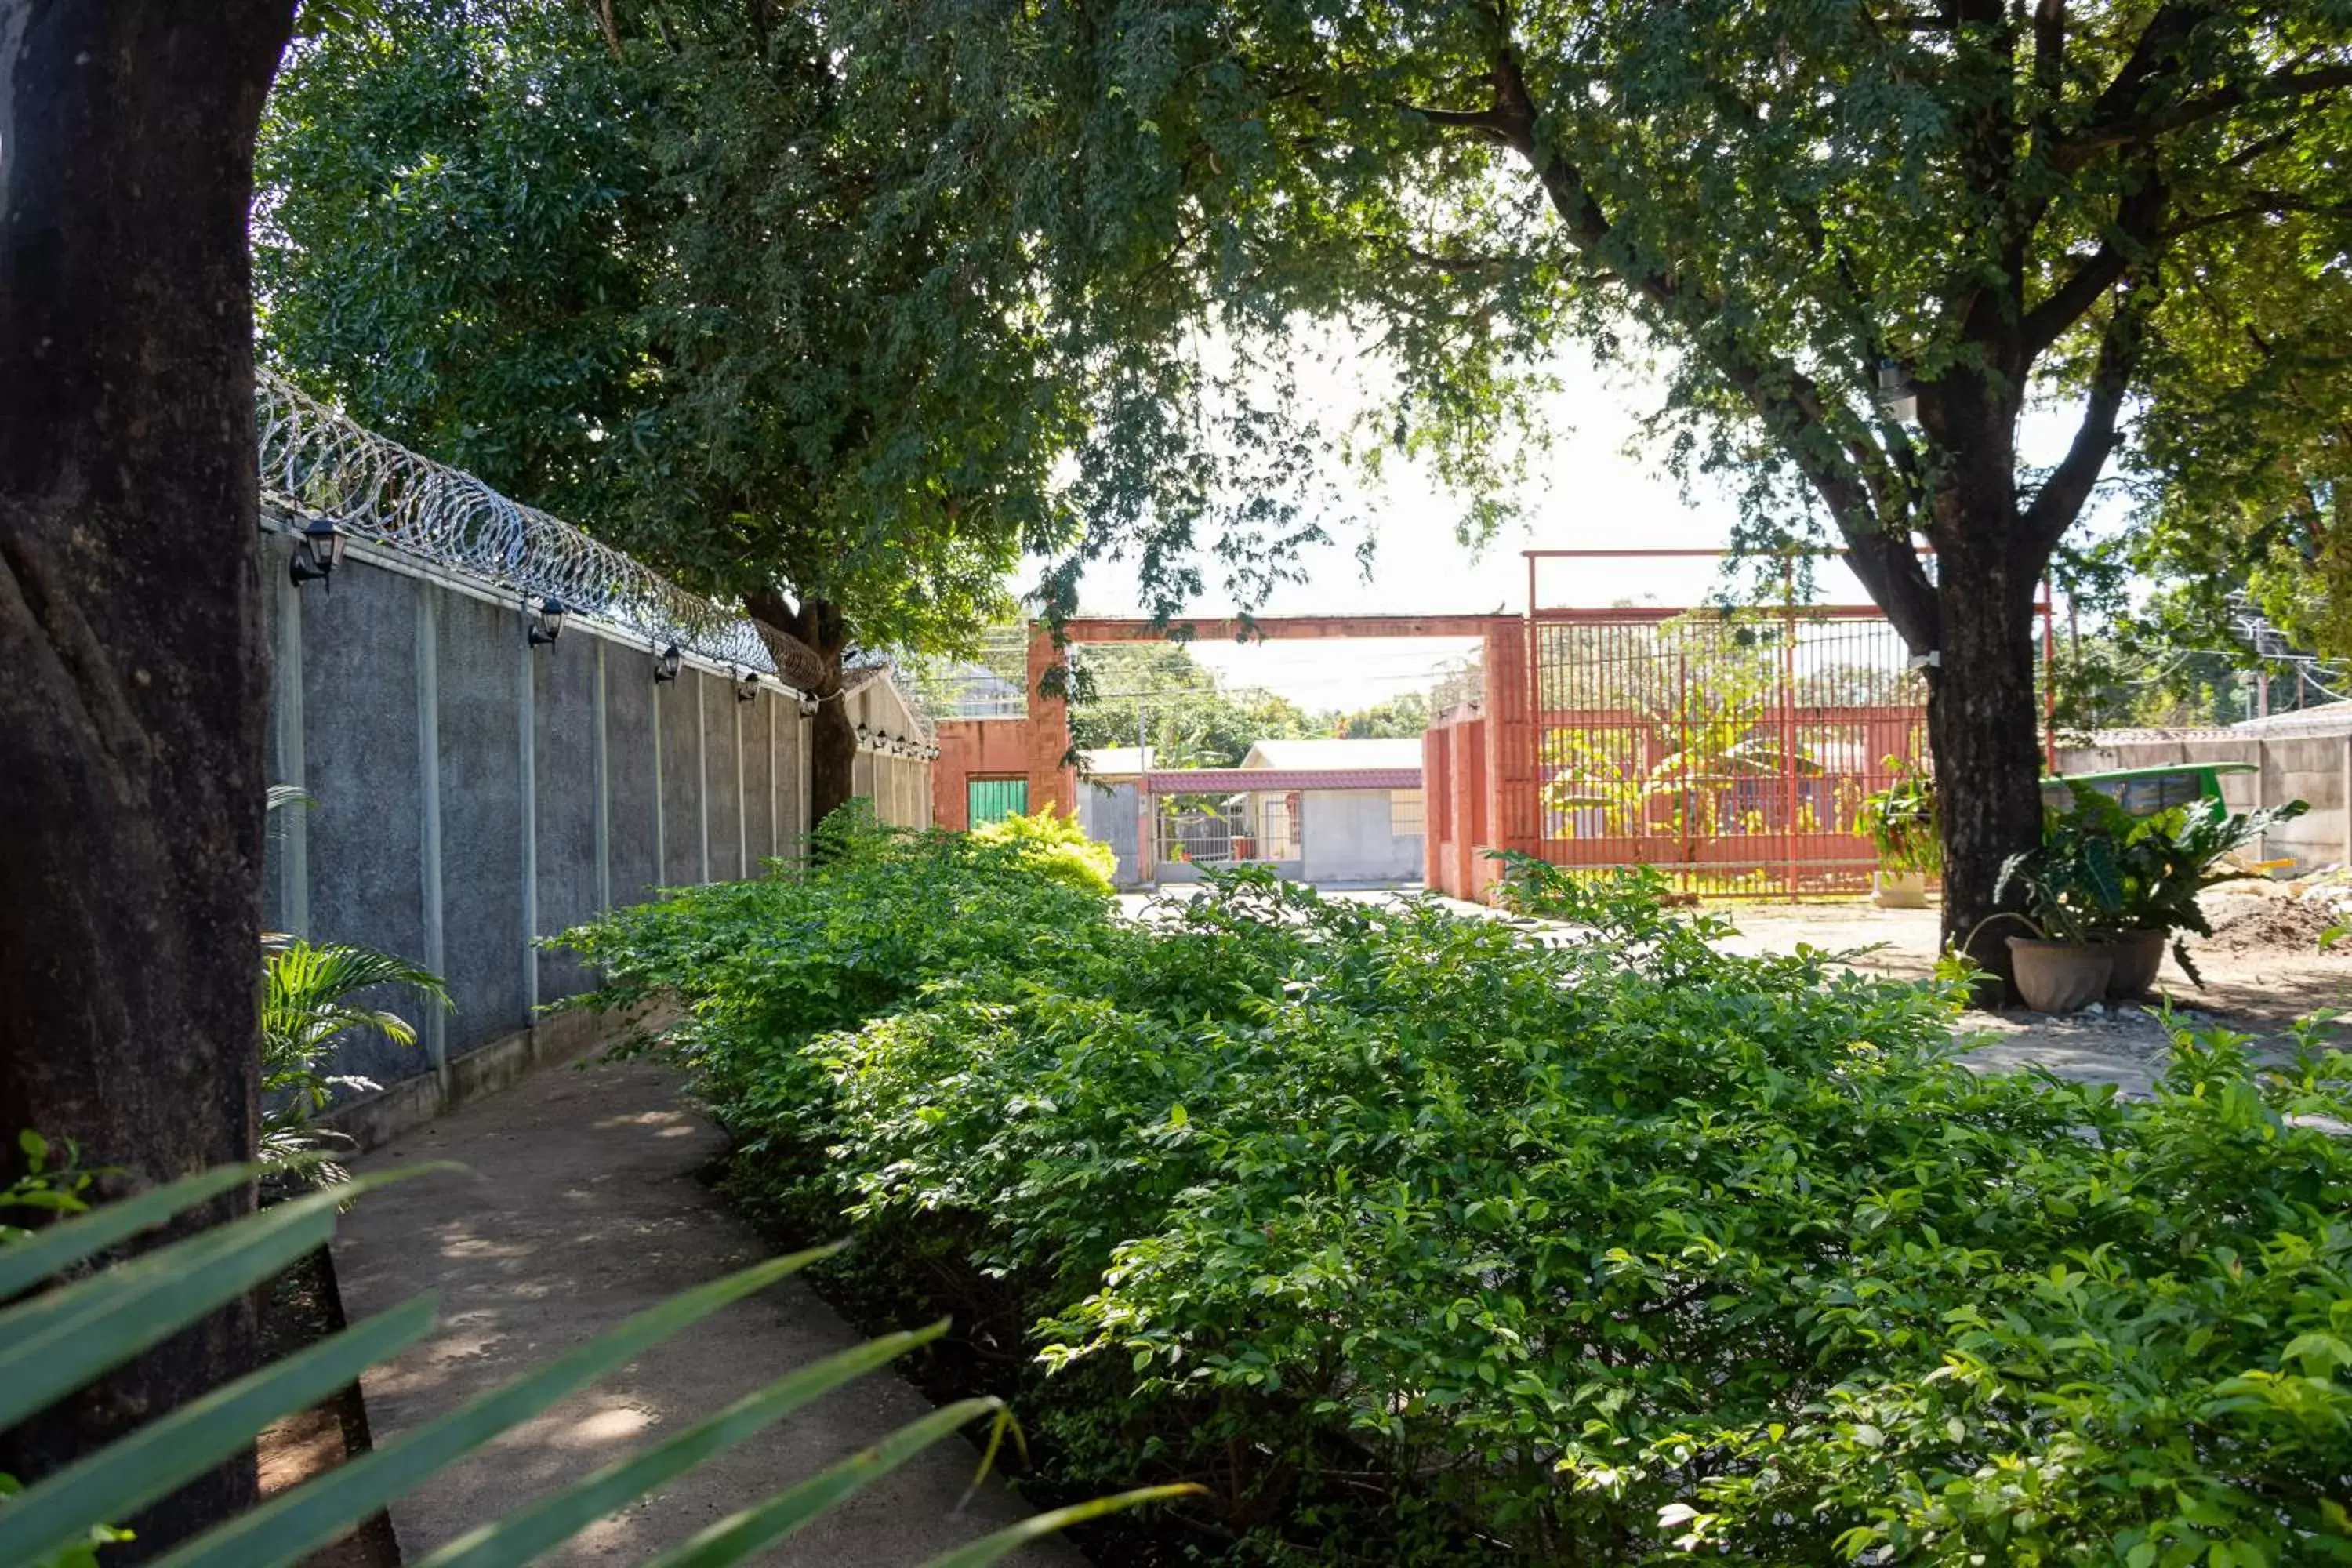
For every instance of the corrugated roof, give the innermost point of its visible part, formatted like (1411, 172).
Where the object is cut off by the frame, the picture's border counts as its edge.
(2327, 718)
(1238, 781)
(1335, 753)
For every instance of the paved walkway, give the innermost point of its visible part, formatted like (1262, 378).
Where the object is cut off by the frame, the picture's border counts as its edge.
(581, 1207)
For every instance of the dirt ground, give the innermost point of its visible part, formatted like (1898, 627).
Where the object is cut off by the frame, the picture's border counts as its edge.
(579, 1205)
(2263, 969)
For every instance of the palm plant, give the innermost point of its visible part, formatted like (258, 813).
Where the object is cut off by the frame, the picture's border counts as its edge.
(308, 1001)
(53, 1340)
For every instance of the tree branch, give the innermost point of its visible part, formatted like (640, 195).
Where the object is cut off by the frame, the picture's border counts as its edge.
(2135, 129)
(2268, 203)
(1481, 120)
(2139, 225)
(2059, 500)
(1459, 266)
(1789, 402)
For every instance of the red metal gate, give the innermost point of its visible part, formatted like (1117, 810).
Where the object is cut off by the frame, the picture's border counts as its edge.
(1731, 750)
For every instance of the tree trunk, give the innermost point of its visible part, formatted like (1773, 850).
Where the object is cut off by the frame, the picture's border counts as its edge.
(1983, 724)
(833, 742)
(809, 641)
(132, 779)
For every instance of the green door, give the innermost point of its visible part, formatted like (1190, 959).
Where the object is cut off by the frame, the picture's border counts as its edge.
(994, 800)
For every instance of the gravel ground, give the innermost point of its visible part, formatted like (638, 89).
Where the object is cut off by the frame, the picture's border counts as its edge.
(2263, 969)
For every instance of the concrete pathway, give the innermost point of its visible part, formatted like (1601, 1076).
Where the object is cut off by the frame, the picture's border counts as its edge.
(580, 1207)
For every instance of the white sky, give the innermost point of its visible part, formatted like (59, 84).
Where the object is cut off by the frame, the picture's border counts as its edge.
(1590, 492)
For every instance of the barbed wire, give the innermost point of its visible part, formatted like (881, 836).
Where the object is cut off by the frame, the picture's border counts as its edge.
(318, 463)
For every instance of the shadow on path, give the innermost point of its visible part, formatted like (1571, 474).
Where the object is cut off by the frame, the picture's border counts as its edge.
(581, 1207)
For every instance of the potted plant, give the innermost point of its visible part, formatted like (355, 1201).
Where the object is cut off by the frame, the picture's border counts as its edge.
(1902, 823)
(2074, 897)
(2165, 861)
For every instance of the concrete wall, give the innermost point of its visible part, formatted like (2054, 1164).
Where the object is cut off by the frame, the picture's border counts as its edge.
(1345, 836)
(2313, 769)
(474, 794)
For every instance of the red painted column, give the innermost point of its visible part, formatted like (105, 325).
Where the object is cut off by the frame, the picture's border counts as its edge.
(1051, 782)
(1509, 707)
(1436, 809)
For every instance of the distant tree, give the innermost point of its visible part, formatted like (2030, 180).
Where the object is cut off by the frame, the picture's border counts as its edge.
(1986, 205)
(2248, 448)
(1402, 717)
(1159, 692)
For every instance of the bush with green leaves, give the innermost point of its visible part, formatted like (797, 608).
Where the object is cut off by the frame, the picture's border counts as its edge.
(1419, 1240)
(1054, 844)
(744, 974)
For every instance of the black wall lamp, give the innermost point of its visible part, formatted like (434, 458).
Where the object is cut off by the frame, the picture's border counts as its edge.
(747, 686)
(666, 662)
(547, 625)
(318, 551)
(808, 706)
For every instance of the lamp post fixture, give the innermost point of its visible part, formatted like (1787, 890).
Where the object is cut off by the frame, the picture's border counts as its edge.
(1897, 399)
(547, 625)
(747, 686)
(666, 662)
(318, 551)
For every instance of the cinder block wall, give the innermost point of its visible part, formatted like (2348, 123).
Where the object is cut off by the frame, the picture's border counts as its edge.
(2313, 769)
(474, 794)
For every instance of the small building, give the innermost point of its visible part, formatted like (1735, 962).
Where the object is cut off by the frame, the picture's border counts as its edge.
(1343, 813)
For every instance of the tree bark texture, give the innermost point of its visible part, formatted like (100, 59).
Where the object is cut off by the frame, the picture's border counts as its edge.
(809, 640)
(131, 773)
(1983, 730)
(1982, 721)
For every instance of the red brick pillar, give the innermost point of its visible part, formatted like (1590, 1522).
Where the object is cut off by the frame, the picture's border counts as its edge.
(1470, 803)
(1436, 808)
(1050, 782)
(1509, 707)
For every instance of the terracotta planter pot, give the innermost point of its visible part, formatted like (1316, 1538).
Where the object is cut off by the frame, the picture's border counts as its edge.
(1899, 890)
(2059, 977)
(2138, 954)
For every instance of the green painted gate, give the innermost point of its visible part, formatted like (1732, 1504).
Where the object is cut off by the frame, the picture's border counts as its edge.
(994, 800)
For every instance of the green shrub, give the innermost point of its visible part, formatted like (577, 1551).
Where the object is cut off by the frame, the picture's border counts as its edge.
(1057, 847)
(757, 969)
(1419, 1241)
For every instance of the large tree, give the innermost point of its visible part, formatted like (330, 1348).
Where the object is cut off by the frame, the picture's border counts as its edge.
(130, 778)
(1994, 205)
(655, 269)
(2248, 443)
